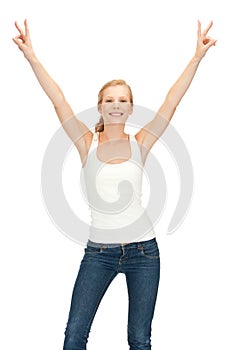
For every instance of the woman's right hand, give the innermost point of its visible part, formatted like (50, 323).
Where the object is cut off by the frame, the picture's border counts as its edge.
(23, 40)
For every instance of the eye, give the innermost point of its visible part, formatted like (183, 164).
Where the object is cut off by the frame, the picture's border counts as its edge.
(108, 100)
(123, 101)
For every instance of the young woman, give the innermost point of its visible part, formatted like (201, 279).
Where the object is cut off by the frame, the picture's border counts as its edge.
(122, 239)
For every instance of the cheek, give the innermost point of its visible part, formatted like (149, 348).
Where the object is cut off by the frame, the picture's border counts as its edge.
(102, 108)
(105, 108)
(104, 111)
(130, 109)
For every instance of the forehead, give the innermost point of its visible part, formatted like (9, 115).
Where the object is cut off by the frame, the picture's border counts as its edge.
(116, 91)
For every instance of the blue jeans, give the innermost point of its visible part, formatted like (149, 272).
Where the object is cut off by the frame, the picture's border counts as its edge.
(101, 263)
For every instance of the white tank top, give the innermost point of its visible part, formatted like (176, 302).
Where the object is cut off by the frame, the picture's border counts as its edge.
(114, 194)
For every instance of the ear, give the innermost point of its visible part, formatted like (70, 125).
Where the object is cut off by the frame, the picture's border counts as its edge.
(100, 108)
(131, 109)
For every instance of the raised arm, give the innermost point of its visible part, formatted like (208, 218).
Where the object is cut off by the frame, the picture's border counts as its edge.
(76, 130)
(150, 133)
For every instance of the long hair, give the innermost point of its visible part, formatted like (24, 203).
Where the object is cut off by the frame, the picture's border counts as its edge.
(100, 124)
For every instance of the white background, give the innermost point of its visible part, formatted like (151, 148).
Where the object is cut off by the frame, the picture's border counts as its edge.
(83, 45)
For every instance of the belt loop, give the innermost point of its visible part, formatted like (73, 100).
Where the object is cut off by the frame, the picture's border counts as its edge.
(140, 246)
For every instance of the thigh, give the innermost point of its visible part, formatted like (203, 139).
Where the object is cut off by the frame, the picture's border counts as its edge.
(142, 278)
(91, 284)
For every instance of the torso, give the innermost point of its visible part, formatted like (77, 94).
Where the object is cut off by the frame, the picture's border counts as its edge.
(113, 174)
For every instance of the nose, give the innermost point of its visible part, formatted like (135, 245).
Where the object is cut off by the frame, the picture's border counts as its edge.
(116, 104)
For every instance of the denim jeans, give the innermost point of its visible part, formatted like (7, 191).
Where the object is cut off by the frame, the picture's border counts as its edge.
(101, 263)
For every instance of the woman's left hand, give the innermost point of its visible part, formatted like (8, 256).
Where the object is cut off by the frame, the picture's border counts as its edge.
(204, 42)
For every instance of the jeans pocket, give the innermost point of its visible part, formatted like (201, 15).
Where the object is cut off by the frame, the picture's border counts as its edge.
(150, 251)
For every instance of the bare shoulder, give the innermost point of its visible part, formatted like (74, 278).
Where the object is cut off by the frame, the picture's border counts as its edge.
(137, 137)
(143, 137)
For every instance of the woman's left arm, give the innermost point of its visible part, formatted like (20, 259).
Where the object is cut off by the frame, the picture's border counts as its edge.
(153, 130)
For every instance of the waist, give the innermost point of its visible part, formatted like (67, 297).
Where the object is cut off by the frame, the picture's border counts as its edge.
(119, 245)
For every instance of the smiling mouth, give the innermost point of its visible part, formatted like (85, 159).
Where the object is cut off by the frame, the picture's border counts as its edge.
(116, 114)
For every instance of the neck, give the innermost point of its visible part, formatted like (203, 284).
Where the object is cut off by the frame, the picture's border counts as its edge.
(113, 131)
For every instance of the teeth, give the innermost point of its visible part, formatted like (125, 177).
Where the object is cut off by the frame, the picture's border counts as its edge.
(116, 114)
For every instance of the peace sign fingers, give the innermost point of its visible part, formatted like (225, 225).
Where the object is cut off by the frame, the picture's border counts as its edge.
(204, 42)
(23, 39)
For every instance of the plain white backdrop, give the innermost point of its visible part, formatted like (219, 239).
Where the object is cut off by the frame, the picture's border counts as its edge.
(83, 45)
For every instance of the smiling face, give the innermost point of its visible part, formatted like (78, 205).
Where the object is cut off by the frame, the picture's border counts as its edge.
(116, 104)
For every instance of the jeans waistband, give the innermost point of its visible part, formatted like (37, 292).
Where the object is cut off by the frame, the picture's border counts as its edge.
(117, 245)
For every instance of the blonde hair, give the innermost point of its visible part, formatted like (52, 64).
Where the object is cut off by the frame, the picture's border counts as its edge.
(100, 124)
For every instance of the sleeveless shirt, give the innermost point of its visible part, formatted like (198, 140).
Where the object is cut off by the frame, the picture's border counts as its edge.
(114, 192)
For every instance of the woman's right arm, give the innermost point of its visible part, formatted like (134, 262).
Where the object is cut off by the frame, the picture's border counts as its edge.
(76, 130)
